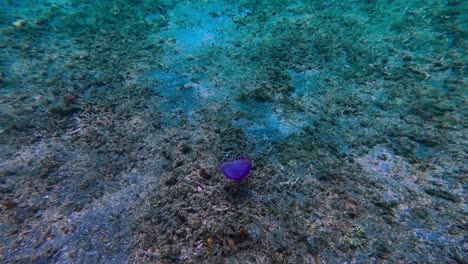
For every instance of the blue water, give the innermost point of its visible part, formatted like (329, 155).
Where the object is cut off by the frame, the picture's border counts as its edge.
(115, 117)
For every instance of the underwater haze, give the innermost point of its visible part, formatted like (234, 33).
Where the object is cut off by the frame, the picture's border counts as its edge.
(281, 131)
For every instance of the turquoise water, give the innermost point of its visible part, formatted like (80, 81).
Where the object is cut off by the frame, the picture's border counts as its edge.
(115, 115)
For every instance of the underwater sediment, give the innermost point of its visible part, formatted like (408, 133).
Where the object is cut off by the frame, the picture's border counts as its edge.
(342, 126)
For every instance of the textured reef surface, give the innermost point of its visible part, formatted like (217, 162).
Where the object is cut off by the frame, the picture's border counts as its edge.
(116, 115)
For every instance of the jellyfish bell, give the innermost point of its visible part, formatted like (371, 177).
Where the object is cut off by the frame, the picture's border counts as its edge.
(237, 169)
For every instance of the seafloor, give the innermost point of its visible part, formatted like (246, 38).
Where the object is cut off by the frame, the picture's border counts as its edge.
(114, 117)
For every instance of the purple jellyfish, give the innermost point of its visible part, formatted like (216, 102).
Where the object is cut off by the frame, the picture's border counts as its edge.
(237, 169)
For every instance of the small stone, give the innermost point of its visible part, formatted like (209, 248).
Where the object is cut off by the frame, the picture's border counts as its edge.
(204, 173)
(170, 181)
(9, 204)
(19, 23)
(180, 233)
(210, 242)
(69, 99)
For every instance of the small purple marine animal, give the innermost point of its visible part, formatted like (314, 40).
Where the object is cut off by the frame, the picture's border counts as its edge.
(237, 169)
